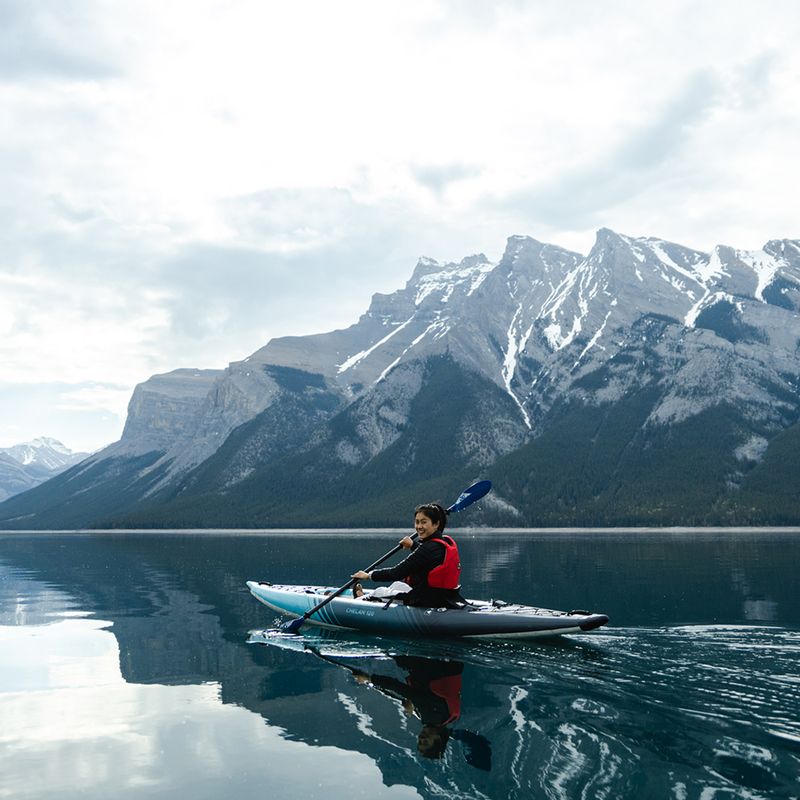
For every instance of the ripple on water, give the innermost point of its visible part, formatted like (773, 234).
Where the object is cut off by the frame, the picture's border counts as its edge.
(720, 701)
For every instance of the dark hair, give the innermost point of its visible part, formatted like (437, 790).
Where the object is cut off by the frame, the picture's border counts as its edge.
(432, 740)
(435, 513)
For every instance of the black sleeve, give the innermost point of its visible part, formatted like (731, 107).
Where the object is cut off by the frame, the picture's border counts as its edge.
(431, 708)
(419, 561)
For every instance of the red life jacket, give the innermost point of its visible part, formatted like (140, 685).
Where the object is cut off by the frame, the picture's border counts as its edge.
(449, 689)
(447, 574)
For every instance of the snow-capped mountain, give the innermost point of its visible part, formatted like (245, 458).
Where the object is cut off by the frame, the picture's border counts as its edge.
(26, 465)
(45, 452)
(655, 351)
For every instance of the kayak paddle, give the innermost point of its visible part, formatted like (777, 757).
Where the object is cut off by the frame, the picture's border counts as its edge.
(466, 498)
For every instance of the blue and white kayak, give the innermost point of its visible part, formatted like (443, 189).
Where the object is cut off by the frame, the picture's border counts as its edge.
(488, 619)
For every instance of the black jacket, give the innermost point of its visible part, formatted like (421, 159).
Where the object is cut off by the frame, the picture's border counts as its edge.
(414, 569)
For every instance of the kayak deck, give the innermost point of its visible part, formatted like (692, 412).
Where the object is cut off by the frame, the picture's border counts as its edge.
(480, 619)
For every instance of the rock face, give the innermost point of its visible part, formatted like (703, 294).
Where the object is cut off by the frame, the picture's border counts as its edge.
(672, 354)
(164, 413)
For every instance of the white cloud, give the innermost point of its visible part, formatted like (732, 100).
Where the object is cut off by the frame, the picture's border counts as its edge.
(96, 397)
(70, 331)
(185, 180)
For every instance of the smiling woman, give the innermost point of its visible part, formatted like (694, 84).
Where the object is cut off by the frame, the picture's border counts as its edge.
(433, 567)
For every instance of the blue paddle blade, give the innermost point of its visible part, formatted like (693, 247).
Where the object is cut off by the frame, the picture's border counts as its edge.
(469, 496)
(293, 626)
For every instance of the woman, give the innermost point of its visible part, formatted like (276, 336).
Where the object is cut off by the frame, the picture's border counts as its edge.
(433, 567)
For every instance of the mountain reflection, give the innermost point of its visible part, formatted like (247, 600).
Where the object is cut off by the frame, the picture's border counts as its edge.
(669, 702)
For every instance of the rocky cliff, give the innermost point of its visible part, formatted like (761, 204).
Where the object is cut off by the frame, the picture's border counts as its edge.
(592, 388)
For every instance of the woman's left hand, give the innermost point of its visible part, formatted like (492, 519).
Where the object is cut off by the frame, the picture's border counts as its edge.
(361, 575)
(361, 677)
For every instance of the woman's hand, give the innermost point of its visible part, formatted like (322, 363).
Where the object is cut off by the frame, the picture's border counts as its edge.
(407, 542)
(362, 576)
(361, 677)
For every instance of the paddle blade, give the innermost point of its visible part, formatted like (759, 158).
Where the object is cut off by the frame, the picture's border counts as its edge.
(469, 496)
(293, 626)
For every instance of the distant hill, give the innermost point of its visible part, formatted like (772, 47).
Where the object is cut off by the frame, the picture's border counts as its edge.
(643, 383)
(26, 465)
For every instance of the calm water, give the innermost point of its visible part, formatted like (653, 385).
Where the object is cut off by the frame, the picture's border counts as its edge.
(129, 669)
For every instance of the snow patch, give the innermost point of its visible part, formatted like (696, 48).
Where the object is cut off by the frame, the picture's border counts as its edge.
(448, 279)
(556, 339)
(480, 278)
(443, 331)
(364, 721)
(433, 326)
(764, 265)
(664, 258)
(515, 347)
(712, 269)
(706, 301)
(353, 360)
(593, 341)
(557, 297)
(44, 451)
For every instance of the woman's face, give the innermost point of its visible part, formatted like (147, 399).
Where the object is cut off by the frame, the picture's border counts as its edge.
(424, 525)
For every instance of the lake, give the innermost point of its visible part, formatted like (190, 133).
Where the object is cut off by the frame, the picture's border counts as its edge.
(131, 667)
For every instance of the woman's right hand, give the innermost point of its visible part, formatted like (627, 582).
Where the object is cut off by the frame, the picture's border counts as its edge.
(407, 542)
(361, 575)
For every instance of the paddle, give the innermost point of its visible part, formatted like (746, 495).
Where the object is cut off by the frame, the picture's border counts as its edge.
(466, 498)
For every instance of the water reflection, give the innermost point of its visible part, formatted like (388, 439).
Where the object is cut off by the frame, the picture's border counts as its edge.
(428, 689)
(432, 692)
(760, 609)
(125, 670)
(74, 728)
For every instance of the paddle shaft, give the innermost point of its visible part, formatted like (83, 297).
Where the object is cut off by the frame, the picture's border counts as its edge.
(351, 582)
(330, 660)
(466, 498)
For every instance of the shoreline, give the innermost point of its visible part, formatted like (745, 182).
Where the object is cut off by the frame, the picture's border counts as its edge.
(463, 531)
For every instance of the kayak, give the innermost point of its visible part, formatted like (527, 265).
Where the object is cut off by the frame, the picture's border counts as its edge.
(487, 619)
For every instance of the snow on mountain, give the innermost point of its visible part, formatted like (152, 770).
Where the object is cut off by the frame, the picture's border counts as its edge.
(533, 323)
(45, 452)
(544, 325)
(26, 465)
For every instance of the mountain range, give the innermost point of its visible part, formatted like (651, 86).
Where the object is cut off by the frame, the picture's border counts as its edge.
(643, 383)
(26, 465)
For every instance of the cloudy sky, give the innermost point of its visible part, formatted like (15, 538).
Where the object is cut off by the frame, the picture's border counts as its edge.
(184, 180)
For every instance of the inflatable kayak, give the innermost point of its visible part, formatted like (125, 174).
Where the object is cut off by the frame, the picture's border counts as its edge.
(491, 619)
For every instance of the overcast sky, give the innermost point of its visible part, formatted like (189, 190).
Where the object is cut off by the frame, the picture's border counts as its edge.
(184, 180)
